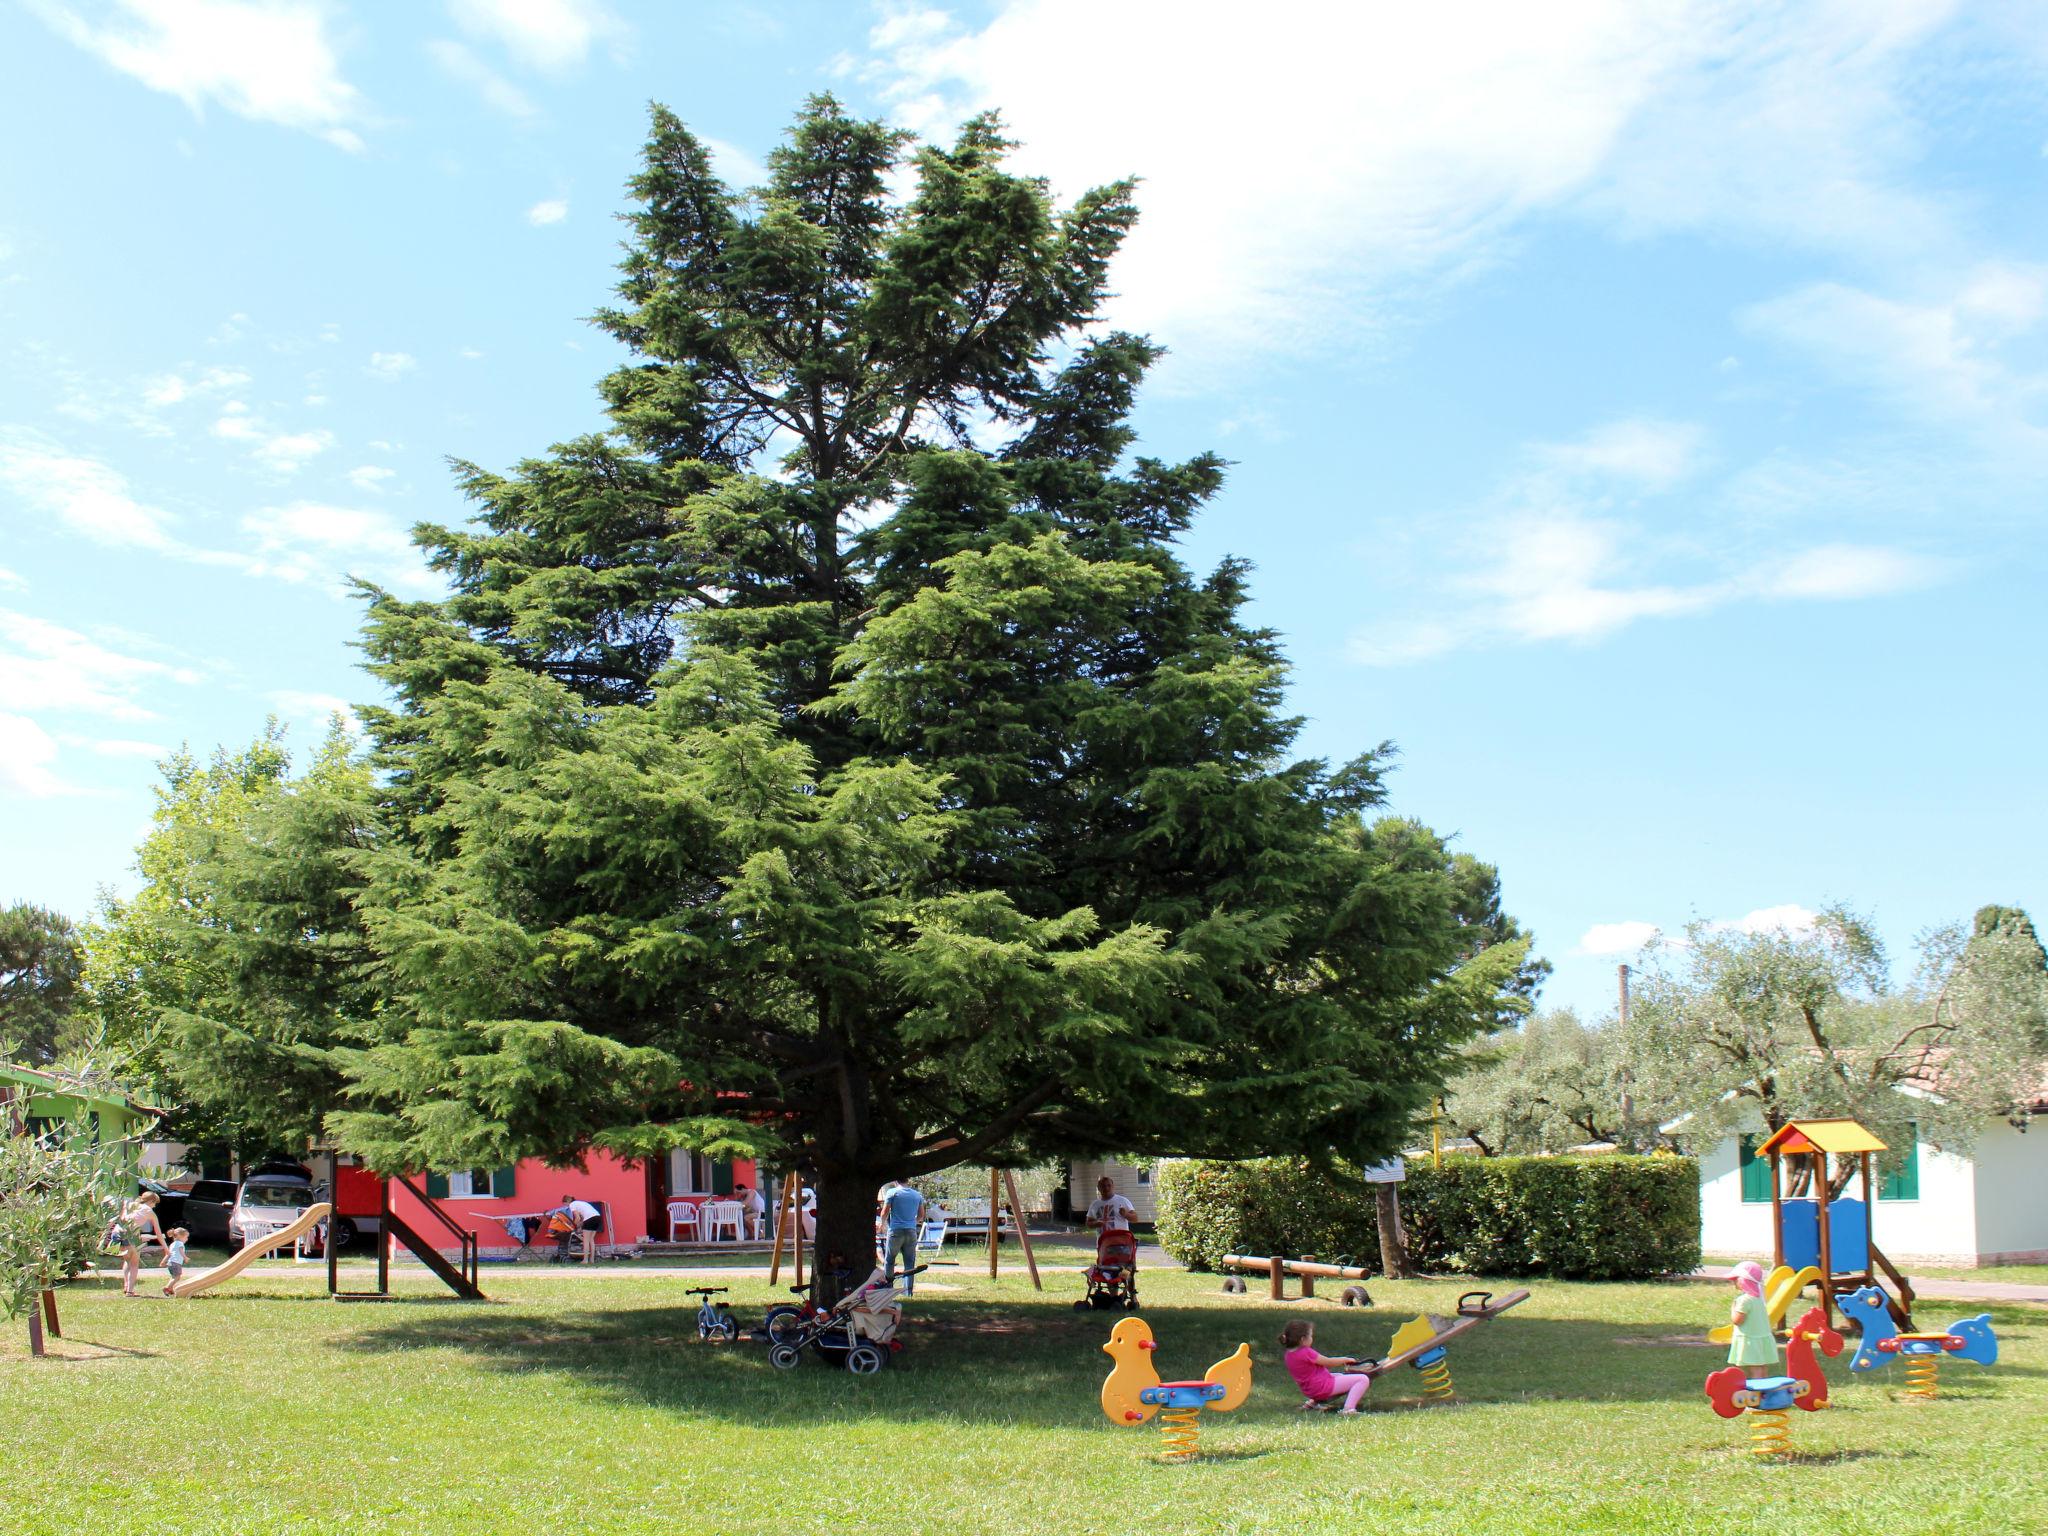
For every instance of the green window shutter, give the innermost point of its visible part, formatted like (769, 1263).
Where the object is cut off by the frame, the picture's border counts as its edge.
(1756, 1172)
(1903, 1182)
(721, 1178)
(503, 1181)
(437, 1186)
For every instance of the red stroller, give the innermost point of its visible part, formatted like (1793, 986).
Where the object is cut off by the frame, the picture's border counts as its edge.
(1113, 1277)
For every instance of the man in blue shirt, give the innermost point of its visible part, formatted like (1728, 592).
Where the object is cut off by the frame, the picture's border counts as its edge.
(902, 1214)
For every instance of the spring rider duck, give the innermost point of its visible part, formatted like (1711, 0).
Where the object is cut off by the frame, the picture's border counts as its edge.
(1133, 1392)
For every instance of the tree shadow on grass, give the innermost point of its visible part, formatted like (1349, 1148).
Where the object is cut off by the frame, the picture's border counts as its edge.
(982, 1362)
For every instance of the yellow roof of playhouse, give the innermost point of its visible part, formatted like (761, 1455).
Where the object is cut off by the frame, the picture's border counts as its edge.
(1841, 1137)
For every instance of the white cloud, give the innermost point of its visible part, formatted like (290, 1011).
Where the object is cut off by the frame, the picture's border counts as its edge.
(1790, 919)
(1625, 938)
(11, 581)
(1653, 454)
(471, 353)
(121, 747)
(84, 495)
(26, 753)
(45, 666)
(315, 709)
(268, 60)
(310, 540)
(1943, 358)
(495, 90)
(550, 35)
(551, 211)
(1305, 168)
(390, 365)
(285, 452)
(1555, 556)
(369, 477)
(735, 166)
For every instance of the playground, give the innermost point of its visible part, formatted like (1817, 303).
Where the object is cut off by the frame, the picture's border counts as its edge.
(262, 1406)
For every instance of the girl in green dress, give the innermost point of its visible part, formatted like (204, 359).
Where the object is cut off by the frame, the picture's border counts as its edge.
(1752, 1342)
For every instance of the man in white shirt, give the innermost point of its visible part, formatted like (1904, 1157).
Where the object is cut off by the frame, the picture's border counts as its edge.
(1110, 1211)
(753, 1211)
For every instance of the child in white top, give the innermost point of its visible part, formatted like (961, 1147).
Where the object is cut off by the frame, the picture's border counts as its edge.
(174, 1258)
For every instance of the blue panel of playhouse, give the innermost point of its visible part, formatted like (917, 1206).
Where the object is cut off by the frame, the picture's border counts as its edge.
(1848, 1235)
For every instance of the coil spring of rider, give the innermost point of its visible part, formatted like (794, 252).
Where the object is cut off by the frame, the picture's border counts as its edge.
(1179, 1429)
(1923, 1376)
(1769, 1432)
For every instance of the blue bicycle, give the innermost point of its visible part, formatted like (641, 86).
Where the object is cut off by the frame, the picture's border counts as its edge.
(714, 1318)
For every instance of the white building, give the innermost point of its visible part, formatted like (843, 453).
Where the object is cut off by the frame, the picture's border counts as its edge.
(1989, 1207)
(1134, 1181)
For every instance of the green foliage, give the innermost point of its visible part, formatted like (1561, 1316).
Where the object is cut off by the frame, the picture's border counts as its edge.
(58, 1191)
(1596, 1218)
(1736, 1029)
(41, 962)
(237, 967)
(895, 801)
(1550, 1085)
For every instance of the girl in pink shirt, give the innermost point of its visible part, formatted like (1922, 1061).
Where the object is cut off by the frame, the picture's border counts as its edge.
(1311, 1371)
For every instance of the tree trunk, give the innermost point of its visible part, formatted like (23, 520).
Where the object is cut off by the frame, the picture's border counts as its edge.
(35, 1331)
(1393, 1241)
(846, 1232)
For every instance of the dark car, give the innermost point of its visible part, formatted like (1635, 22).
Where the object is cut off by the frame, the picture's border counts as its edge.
(170, 1201)
(208, 1205)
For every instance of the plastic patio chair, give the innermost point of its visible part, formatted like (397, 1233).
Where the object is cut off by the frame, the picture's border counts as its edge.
(682, 1214)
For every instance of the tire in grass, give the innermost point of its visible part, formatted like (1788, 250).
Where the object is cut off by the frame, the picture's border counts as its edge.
(784, 1357)
(866, 1359)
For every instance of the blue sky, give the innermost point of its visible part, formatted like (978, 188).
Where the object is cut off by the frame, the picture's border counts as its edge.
(1640, 414)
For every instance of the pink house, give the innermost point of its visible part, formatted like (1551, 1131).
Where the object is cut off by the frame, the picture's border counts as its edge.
(634, 1196)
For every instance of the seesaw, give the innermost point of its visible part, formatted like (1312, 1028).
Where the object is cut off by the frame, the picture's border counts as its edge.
(1420, 1341)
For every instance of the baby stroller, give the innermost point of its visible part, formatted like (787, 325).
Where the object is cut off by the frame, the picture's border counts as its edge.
(1113, 1277)
(859, 1331)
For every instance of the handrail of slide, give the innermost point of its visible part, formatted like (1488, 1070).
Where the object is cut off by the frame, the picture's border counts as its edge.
(191, 1285)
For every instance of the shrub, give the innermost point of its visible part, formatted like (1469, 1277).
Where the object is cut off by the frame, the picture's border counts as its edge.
(1580, 1218)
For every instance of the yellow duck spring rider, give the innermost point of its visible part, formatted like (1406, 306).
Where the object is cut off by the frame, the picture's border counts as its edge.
(1133, 1392)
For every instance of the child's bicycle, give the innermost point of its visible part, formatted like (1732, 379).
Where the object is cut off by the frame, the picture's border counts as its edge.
(714, 1319)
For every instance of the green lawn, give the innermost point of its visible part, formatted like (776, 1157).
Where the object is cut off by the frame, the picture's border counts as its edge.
(265, 1407)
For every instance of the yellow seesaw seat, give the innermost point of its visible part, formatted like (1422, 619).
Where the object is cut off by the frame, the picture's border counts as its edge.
(1781, 1288)
(251, 1252)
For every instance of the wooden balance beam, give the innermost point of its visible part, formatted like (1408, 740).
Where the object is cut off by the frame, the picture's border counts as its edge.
(1463, 1322)
(1278, 1269)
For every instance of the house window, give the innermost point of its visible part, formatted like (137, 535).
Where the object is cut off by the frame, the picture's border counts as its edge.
(1756, 1172)
(1144, 1175)
(692, 1173)
(471, 1184)
(1903, 1182)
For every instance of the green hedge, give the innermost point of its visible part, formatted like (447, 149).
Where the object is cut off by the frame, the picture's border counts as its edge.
(1580, 1218)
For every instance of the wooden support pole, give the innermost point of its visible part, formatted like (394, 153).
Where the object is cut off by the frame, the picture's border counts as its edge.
(1827, 1248)
(50, 1313)
(1777, 1212)
(384, 1237)
(1023, 1234)
(1308, 1278)
(799, 1229)
(35, 1332)
(994, 1220)
(1276, 1283)
(785, 1210)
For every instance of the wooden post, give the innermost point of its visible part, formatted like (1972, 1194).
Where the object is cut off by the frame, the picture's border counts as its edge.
(994, 1223)
(1308, 1279)
(334, 1222)
(1393, 1241)
(384, 1237)
(785, 1210)
(35, 1333)
(1023, 1235)
(1827, 1253)
(798, 1244)
(1777, 1213)
(50, 1313)
(1276, 1279)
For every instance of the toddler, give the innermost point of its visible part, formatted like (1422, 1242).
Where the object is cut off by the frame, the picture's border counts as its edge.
(174, 1258)
(1311, 1371)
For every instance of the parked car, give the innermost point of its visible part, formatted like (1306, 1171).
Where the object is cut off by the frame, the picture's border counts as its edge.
(268, 1200)
(209, 1204)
